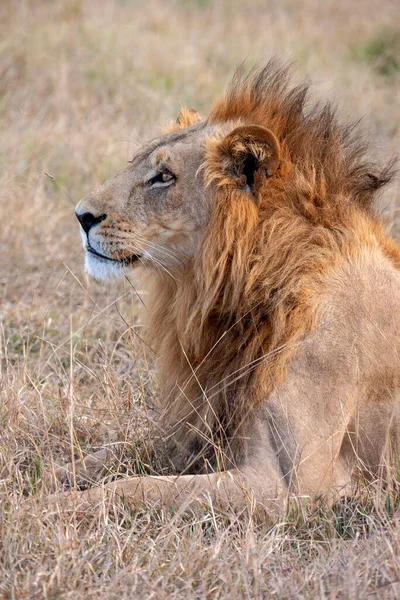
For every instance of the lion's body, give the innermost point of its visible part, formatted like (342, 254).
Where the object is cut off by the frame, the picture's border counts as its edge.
(340, 358)
(275, 310)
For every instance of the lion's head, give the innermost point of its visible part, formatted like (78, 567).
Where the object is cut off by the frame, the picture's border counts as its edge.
(155, 212)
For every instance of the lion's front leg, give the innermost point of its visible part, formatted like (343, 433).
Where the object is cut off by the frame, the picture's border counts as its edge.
(232, 489)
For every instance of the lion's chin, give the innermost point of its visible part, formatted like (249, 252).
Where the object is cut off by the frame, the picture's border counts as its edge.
(104, 270)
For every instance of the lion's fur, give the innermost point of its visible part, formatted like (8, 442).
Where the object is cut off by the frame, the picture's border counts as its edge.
(331, 157)
(227, 333)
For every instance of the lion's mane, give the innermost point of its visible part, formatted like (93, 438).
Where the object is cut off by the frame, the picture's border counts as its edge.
(228, 330)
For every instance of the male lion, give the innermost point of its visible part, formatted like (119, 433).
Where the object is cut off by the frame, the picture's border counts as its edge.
(274, 302)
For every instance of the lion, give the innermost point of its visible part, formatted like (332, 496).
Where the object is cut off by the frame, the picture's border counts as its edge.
(274, 298)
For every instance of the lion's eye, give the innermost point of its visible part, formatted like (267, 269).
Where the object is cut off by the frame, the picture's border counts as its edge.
(166, 176)
(163, 178)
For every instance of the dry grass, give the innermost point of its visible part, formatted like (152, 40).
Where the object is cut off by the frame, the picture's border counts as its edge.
(81, 83)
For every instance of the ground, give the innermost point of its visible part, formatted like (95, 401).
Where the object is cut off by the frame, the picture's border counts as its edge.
(81, 84)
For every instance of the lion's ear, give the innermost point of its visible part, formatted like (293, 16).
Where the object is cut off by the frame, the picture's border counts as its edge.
(186, 118)
(251, 154)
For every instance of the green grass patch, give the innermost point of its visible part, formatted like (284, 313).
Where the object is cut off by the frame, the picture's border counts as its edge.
(381, 52)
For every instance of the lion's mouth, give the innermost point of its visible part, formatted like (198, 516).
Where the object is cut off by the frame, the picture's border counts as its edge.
(128, 260)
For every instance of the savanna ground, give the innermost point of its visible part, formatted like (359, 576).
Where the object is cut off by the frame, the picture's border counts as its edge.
(81, 84)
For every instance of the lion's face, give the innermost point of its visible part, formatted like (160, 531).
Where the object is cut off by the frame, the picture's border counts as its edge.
(155, 212)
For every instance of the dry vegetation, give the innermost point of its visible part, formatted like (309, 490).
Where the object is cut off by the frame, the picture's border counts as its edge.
(81, 83)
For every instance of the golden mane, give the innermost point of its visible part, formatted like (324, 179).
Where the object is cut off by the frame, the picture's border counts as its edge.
(312, 137)
(228, 331)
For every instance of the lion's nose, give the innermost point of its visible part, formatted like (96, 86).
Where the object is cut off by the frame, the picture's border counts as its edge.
(87, 220)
